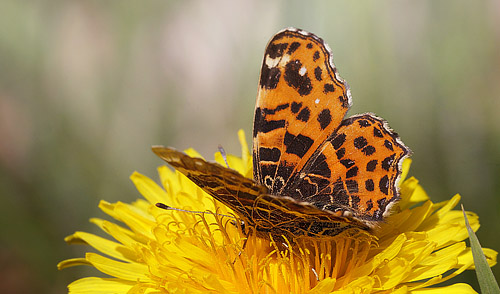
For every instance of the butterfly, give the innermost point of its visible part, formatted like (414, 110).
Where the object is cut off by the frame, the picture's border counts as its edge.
(315, 172)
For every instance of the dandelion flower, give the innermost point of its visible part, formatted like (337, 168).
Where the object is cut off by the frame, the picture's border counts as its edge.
(157, 251)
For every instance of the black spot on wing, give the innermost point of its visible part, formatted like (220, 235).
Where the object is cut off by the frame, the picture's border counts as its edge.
(317, 73)
(327, 88)
(338, 141)
(276, 50)
(377, 133)
(340, 153)
(371, 165)
(304, 114)
(352, 172)
(360, 142)
(301, 83)
(344, 100)
(294, 46)
(383, 185)
(324, 118)
(388, 145)
(257, 121)
(271, 125)
(309, 45)
(364, 123)
(269, 77)
(316, 56)
(369, 185)
(274, 110)
(347, 162)
(262, 125)
(368, 150)
(296, 107)
(269, 154)
(347, 122)
(298, 145)
(387, 162)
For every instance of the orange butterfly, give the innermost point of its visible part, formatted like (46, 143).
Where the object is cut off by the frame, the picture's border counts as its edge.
(315, 173)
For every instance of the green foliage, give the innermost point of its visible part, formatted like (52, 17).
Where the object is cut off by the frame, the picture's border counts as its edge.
(484, 274)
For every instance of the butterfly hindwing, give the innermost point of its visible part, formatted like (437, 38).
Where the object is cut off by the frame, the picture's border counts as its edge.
(355, 170)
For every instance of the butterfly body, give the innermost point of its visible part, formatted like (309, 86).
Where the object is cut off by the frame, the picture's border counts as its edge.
(315, 173)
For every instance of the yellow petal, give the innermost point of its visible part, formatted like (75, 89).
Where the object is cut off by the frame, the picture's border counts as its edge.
(245, 153)
(122, 235)
(466, 257)
(93, 285)
(171, 186)
(437, 263)
(415, 251)
(359, 285)
(72, 262)
(148, 188)
(135, 219)
(419, 195)
(391, 250)
(324, 286)
(418, 215)
(393, 272)
(411, 193)
(129, 271)
(459, 288)
(193, 153)
(405, 168)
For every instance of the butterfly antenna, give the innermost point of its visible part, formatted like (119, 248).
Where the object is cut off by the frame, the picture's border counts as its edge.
(166, 207)
(223, 153)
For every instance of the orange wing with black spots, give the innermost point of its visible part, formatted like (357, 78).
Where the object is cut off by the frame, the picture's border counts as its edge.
(301, 100)
(299, 123)
(356, 170)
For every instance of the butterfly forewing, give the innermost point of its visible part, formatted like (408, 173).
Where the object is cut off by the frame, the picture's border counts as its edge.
(301, 100)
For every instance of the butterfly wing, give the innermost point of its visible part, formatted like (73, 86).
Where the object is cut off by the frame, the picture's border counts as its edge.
(269, 214)
(356, 170)
(301, 100)
(224, 184)
(285, 216)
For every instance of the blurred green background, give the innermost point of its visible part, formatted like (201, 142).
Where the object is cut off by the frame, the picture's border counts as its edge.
(86, 87)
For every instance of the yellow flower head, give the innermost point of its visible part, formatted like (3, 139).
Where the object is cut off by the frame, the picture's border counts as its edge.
(157, 251)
